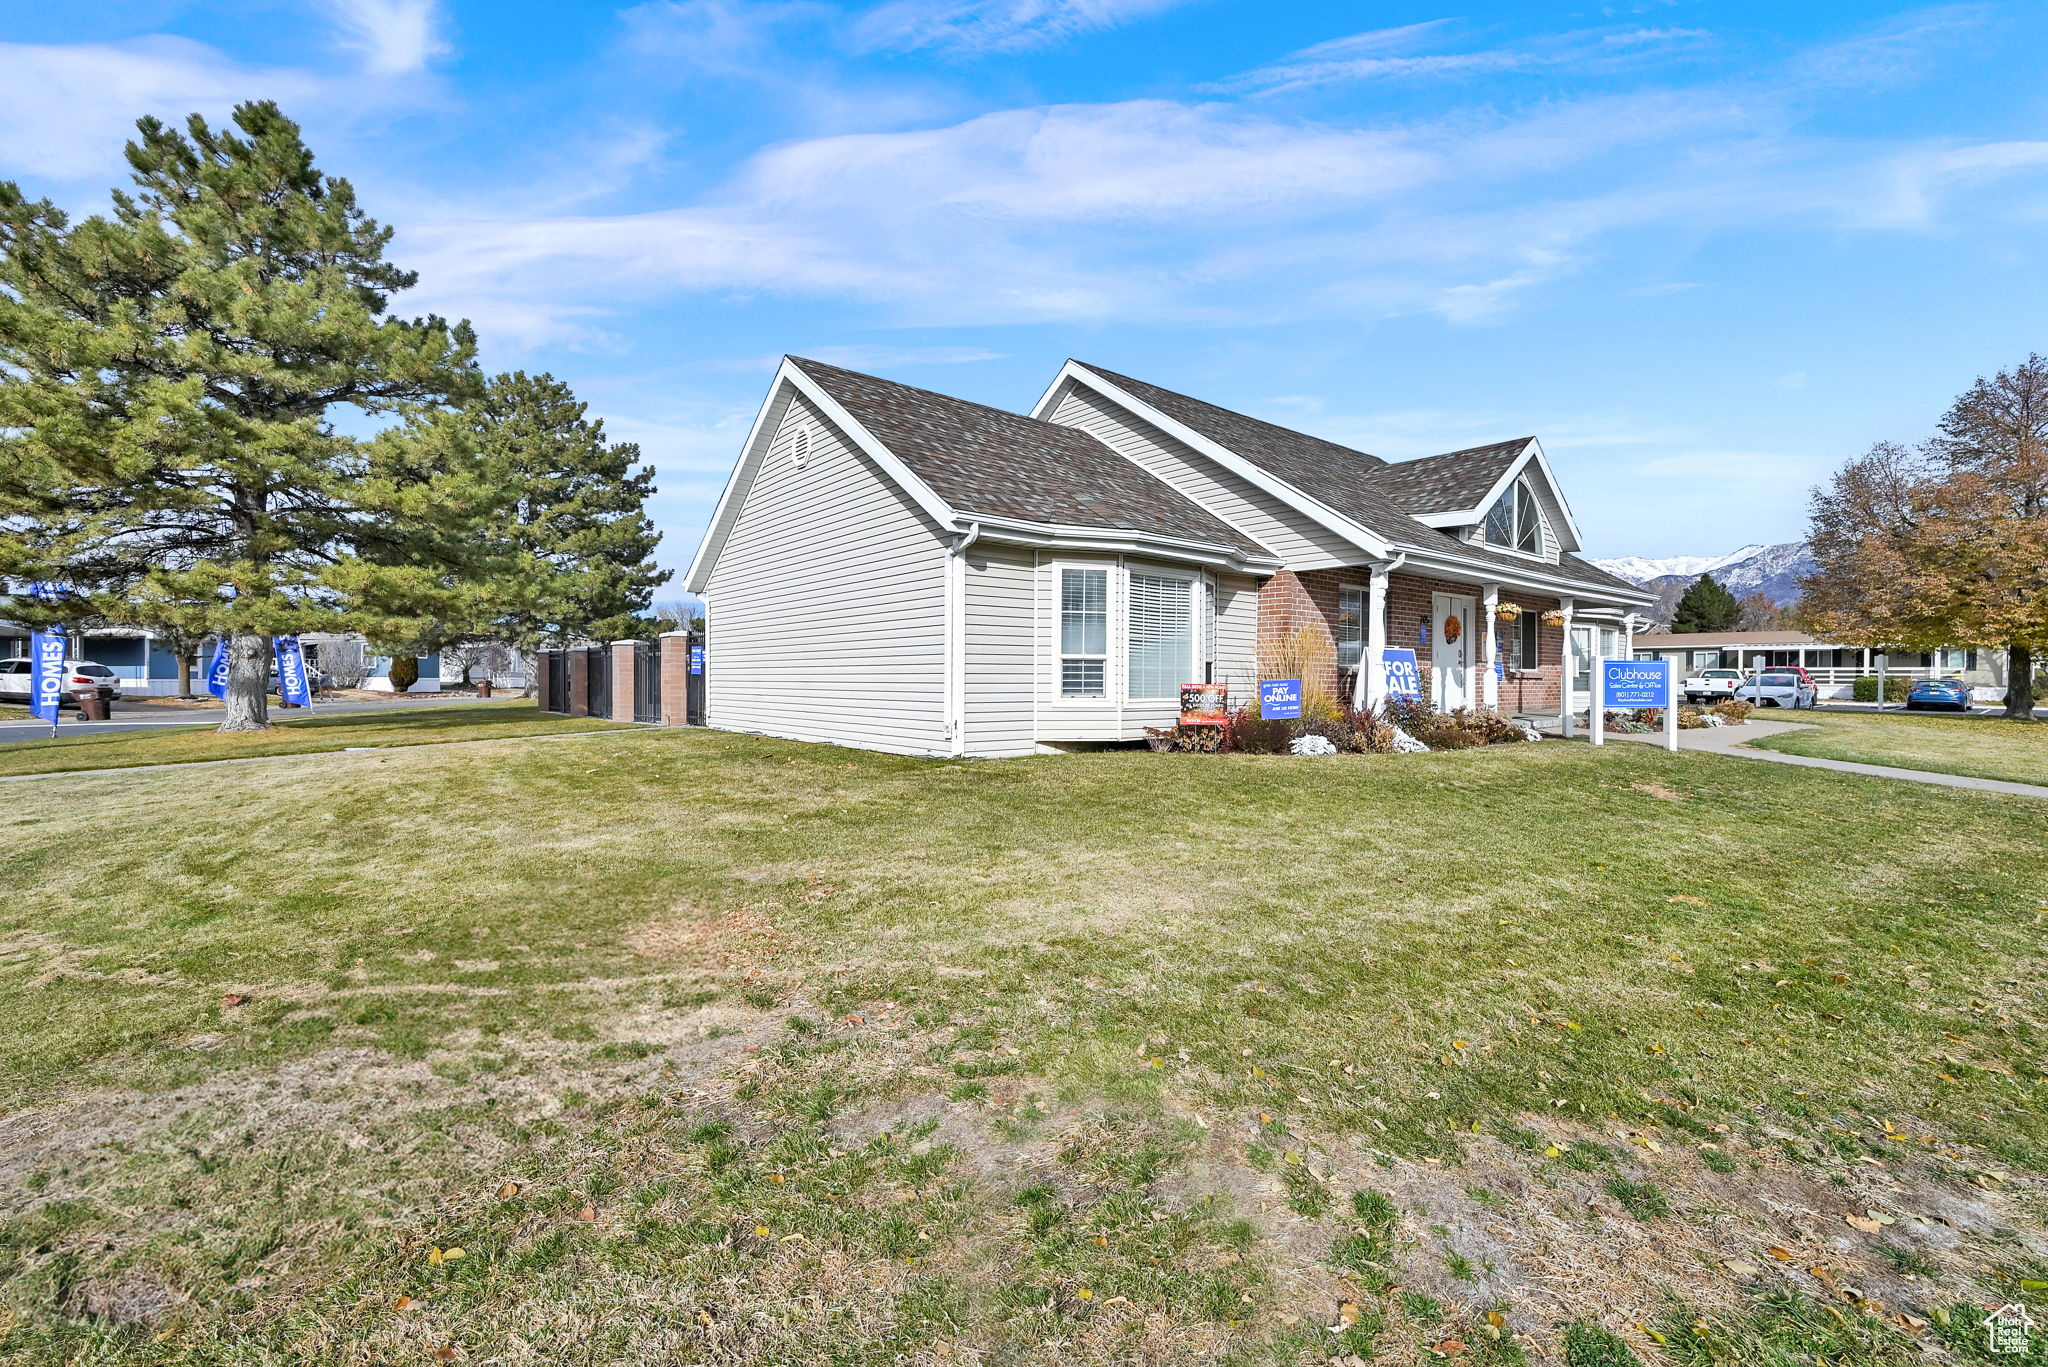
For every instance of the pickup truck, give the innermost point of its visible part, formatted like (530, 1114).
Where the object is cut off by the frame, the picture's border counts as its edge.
(1711, 685)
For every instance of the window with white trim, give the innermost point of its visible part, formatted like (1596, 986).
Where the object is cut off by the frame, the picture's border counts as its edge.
(1514, 521)
(1350, 632)
(1084, 633)
(1530, 652)
(1162, 635)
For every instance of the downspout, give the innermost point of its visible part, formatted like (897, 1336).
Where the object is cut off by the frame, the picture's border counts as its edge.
(1375, 633)
(956, 640)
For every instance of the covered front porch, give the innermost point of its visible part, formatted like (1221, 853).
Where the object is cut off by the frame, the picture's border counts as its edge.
(1478, 642)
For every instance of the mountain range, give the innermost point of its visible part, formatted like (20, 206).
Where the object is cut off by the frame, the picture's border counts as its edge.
(1773, 571)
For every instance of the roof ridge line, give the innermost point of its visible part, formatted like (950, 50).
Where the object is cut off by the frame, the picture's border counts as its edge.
(935, 393)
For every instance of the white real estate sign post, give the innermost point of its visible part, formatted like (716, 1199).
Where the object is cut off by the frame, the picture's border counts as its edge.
(1635, 683)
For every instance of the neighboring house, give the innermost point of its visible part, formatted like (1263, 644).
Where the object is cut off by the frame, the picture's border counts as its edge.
(145, 668)
(1834, 667)
(899, 570)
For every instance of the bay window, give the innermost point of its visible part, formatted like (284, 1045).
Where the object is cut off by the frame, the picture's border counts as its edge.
(1162, 631)
(1084, 633)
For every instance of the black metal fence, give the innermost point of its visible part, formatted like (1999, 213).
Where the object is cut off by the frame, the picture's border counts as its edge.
(556, 698)
(598, 698)
(646, 682)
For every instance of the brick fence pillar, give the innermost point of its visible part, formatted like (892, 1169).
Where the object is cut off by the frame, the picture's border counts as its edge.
(542, 660)
(675, 678)
(622, 679)
(577, 662)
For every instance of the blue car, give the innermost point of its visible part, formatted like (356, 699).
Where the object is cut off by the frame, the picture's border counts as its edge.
(1951, 693)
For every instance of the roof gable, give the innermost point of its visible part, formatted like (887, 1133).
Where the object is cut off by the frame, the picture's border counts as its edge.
(995, 463)
(1453, 481)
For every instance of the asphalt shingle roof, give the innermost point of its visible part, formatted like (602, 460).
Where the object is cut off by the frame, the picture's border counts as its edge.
(1363, 487)
(1453, 481)
(1002, 464)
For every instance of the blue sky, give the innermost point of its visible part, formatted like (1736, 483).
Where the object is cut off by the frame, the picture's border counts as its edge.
(1704, 249)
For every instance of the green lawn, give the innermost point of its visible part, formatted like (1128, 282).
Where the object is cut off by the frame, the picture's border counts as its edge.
(708, 1048)
(1981, 747)
(433, 723)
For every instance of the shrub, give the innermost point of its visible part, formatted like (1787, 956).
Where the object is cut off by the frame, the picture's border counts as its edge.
(1309, 655)
(1733, 710)
(405, 672)
(1865, 688)
(1256, 736)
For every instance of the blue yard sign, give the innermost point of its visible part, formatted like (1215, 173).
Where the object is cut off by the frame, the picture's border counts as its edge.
(46, 681)
(292, 684)
(1280, 699)
(1400, 676)
(696, 659)
(217, 672)
(1636, 683)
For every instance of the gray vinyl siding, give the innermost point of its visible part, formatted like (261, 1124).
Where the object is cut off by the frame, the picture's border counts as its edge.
(1001, 652)
(1303, 543)
(827, 617)
(1237, 635)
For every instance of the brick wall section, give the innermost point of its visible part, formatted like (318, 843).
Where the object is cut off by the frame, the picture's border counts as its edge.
(542, 662)
(578, 665)
(1292, 600)
(675, 678)
(622, 680)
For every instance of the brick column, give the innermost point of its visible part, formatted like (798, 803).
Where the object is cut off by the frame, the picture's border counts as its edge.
(622, 680)
(576, 663)
(675, 678)
(541, 661)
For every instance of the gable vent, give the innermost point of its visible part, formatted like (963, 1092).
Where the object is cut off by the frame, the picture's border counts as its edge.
(800, 447)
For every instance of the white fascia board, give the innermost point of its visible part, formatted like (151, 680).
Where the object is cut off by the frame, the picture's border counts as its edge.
(1061, 536)
(1535, 457)
(1546, 583)
(755, 450)
(1367, 540)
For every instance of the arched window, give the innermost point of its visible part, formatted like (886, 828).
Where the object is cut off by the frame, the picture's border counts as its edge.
(1513, 521)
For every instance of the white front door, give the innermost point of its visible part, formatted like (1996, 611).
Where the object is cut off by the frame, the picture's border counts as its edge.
(1450, 650)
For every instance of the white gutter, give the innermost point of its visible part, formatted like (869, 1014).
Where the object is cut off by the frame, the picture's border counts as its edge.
(956, 639)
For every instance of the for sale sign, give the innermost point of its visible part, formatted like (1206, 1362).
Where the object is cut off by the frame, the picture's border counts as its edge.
(1400, 676)
(46, 682)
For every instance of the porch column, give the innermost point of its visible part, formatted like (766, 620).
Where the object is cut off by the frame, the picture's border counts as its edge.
(1489, 685)
(1369, 691)
(1566, 668)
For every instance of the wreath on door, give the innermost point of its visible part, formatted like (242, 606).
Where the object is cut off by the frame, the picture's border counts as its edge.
(1453, 628)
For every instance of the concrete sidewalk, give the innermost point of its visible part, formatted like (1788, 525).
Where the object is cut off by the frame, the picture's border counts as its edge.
(1734, 740)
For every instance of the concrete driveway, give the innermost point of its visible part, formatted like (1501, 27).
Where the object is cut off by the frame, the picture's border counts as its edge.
(134, 716)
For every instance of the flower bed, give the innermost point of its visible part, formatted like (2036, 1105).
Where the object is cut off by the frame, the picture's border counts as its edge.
(1398, 727)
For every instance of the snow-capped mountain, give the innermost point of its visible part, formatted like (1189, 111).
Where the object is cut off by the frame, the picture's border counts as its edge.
(1638, 570)
(1770, 570)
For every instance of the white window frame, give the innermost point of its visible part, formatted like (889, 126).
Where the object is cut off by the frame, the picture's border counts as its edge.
(1512, 496)
(1111, 596)
(1364, 592)
(1122, 647)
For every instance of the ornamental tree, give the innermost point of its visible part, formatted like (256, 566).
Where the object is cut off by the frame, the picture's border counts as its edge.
(167, 376)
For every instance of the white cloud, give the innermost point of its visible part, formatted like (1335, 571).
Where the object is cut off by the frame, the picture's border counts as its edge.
(395, 37)
(66, 110)
(1389, 55)
(965, 27)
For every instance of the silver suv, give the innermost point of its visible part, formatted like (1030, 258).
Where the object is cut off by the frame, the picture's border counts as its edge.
(17, 677)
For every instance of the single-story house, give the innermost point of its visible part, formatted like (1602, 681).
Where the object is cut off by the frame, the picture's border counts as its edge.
(900, 570)
(1835, 668)
(146, 669)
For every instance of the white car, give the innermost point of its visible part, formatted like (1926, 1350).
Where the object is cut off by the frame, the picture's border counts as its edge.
(17, 676)
(1778, 688)
(1711, 685)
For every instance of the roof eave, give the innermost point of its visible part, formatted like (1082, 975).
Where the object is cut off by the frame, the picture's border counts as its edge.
(1067, 536)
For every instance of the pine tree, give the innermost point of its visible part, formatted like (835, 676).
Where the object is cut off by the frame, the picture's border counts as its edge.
(576, 515)
(166, 376)
(1705, 606)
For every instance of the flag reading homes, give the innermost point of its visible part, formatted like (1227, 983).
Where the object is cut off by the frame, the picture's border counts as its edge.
(292, 684)
(46, 686)
(217, 672)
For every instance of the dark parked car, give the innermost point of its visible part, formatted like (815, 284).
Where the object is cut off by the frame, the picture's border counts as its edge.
(1950, 693)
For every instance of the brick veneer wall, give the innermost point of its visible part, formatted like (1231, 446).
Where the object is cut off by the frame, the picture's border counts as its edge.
(622, 679)
(1292, 600)
(578, 665)
(675, 678)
